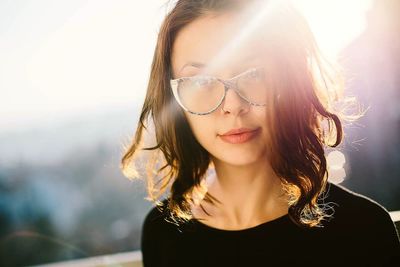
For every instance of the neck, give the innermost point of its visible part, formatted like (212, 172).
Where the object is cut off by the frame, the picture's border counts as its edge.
(249, 195)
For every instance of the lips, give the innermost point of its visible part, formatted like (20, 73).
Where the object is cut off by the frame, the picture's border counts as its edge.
(238, 136)
(238, 131)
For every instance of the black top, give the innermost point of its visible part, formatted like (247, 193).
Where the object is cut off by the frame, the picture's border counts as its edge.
(360, 233)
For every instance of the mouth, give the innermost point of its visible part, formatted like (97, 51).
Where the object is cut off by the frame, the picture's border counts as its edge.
(241, 135)
(238, 131)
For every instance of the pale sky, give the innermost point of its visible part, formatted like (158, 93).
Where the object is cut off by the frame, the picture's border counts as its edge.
(63, 58)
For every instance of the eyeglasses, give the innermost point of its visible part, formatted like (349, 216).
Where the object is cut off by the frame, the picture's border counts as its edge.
(203, 94)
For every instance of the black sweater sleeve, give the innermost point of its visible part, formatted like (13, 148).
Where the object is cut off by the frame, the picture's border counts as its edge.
(366, 221)
(387, 238)
(151, 232)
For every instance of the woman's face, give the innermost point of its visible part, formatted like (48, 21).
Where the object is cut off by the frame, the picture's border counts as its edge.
(207, 45)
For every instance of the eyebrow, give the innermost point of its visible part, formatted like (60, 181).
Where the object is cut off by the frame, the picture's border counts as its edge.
(198, 65)
(201, 65)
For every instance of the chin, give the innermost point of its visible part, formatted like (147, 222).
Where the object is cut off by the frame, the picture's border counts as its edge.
(240, 160)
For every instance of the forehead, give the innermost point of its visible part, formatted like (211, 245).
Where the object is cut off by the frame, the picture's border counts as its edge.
(214, 40)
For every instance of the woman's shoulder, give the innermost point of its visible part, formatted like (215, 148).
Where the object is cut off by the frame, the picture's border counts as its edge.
(364, 223)
(156, 218)
(354, 205)
(358, 215)
(158, 222)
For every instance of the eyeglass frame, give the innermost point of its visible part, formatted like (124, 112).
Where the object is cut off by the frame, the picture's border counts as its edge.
(228, 84)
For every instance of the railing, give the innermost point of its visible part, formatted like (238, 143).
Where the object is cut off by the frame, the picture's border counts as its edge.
(127, 259)
(134, 259)
(395, 215)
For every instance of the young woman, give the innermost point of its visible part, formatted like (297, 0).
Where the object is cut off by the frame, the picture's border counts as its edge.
(241, 105)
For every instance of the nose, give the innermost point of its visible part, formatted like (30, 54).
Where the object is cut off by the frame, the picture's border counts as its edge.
(233, 103)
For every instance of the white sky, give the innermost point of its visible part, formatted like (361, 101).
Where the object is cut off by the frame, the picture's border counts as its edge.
(63, 58)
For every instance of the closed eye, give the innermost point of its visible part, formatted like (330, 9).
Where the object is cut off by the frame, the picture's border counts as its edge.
(203, 80)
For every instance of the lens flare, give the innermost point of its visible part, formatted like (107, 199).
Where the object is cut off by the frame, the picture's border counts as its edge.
(336, 161)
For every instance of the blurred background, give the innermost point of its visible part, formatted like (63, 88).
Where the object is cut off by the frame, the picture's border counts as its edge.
(73, 77)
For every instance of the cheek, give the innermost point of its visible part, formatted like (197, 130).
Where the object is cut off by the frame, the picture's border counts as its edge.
(260, 117)
(203, 129)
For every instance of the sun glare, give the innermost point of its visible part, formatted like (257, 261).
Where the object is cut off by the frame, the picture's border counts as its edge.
(335, 23)
(244, 33)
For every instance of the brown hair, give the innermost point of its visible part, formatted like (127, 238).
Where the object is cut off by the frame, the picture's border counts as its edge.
(301, 118)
